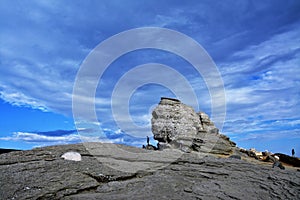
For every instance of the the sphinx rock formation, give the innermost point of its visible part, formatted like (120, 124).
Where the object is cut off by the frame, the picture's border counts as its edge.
(176, 125)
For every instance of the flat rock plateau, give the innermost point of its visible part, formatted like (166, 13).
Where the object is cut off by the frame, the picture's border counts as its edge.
(111, 171)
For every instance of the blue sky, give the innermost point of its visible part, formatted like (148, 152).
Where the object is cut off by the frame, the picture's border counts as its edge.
(255, 46)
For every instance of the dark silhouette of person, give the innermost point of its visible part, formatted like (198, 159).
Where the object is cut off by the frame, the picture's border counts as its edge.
(147, 140)
(293, 152)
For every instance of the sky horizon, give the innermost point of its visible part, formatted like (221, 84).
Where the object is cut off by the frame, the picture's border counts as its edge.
(254, 45)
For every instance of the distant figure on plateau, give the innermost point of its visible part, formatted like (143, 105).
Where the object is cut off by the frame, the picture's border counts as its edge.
(147, 140)
(293, 152)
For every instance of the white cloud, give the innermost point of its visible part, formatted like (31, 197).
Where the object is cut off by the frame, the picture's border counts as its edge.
(35, 137)
(20, 99)
(272, 135)
(262, 89)
(46, 140)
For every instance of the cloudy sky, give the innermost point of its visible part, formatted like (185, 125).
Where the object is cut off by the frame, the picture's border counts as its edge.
(255, 46)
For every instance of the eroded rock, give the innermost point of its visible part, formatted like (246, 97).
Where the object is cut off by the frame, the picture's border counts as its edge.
(176, 125)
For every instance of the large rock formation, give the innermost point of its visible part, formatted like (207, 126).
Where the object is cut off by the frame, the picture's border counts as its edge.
(176, 125)
(42, 174)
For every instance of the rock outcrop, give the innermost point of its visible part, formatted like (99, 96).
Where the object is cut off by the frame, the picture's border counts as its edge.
(42, 174)
(270, 157)
(176, 125)
(294, 161)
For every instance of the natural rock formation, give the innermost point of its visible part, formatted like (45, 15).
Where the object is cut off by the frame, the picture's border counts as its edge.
(270, 157)
(42, 174)
(294, 161)
(252, 153)
(176, 125)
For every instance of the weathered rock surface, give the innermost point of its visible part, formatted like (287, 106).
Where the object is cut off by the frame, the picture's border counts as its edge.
(289, 159)
(176, 125)
(42, 174)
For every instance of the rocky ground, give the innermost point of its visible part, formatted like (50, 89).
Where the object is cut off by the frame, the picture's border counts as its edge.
(110, 171)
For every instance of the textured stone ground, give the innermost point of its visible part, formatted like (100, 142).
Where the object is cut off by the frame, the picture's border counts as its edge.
(43, 174)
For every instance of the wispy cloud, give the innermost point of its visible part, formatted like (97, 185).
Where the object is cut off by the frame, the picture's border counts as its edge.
(46, 138)
(259, 85)
(39, 138)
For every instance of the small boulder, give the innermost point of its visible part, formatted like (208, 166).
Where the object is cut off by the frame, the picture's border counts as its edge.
(72, 156)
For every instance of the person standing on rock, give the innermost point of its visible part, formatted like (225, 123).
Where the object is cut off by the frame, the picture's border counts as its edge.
(293, 152)
(148, 140)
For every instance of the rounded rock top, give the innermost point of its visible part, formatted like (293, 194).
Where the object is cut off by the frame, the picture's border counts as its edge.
(167, 100)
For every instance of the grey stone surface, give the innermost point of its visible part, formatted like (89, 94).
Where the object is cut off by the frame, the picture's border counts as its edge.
(42, 174)
(171, 120)
(176, 125)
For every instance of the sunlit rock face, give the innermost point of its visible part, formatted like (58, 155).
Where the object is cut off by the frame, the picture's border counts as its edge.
(176, 125)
